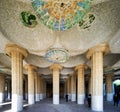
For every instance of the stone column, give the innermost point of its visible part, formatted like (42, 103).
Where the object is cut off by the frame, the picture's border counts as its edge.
(96, 55)
(37, 95)
(44, 89)
(65, 88)
(41, 86)
(9, 89)
(68, 88)
(17, 54)
(2, 87)
(55, 70)
(31, 78)
(73, 87)
(66, 85)
(109, 87)
(89, 85)
(26, 88)
(80, 84)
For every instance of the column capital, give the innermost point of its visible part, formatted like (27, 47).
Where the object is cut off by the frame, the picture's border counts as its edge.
(56, 67)
(2, 75)
(109, 75)
(72, 74)
(89, 76)
(25, 77)
(31, 67)
(104, 47)
(15, 48)
(40, 75)
(82, 66)
(66, 79)
(36, 75)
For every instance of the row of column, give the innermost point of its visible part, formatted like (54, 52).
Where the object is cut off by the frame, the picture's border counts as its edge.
(72, 87)
(96, 81)
(5, 88)
(17, 55)
(36, 85)
(95, 54)
(69, 88)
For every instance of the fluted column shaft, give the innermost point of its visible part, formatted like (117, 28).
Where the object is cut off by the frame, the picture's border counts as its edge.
(38, 86)
(109, 87)
(31, 83)
(55, 70)
(41, 87)
(37, 95)
(44, 88)
(9, 90)
(97, 78)
(17, 81)
(90, 85)
(68, 88)
(73, 87)
(56, 87)
(69, 85)
(65, 88)
(2, 87)
(31, 99)
(26, 88)
(80, 84)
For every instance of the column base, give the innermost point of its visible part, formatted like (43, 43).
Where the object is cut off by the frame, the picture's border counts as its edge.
(8, 98)
(97, 103)
(17, 103)
(1, 97)
(31, 99)
(73, 97)
(26, 96)
(44, 95)
(37, 97)
(56, 99)
(80, 99)
(69, 96)
(109, 97)
(41, 96)
(64, 95)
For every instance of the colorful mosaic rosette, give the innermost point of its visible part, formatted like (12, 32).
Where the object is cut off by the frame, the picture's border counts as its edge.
(61, 15)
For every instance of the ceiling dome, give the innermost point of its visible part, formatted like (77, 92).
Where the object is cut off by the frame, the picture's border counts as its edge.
(61, 15)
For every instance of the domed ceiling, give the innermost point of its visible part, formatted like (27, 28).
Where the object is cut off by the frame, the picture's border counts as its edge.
(77, 40)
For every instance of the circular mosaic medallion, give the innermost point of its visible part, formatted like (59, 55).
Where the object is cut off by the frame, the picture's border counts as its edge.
(56, 55)
(60, 14)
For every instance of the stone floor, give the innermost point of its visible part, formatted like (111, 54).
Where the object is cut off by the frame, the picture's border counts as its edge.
(47, 106)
